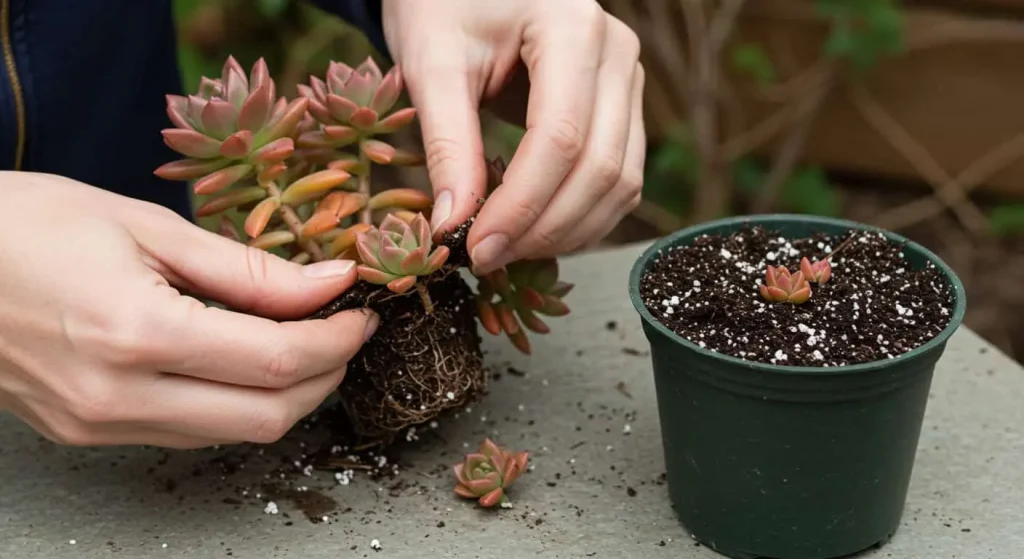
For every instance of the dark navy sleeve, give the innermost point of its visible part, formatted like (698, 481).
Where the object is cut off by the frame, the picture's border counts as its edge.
(364, 14)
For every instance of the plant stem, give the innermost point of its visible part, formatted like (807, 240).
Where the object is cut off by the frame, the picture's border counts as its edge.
(428, 304)
(841, 246)
(366, 214)
(294, 224)
(793, 145)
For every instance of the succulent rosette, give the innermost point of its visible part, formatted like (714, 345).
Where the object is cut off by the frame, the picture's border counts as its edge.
(818, 272)
(233, 128)
(397, 252)
(352, 105)
(485, 475)
(782, 287)
(524, 289)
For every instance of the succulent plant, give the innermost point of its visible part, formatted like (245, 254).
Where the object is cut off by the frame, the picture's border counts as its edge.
(782, 287)
(524, 289)
(485, 475)
(288, 167)
(396, 253)
(352, 106)
(817, 272)
(233, 128)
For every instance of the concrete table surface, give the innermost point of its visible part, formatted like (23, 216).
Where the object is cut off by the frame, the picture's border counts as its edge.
(583, 404)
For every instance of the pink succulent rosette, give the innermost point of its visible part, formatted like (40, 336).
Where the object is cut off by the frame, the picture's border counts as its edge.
(485, 475)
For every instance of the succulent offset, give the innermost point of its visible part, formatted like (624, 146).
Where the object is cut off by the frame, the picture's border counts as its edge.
(485, 475)
(782, 287)
(524, 289)
(817, 272)
(396, 253)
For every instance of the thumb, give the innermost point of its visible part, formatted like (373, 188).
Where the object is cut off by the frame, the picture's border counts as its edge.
(448, 111)
(245, 278)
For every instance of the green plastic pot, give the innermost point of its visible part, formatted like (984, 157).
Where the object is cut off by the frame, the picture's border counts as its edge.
(777, 462)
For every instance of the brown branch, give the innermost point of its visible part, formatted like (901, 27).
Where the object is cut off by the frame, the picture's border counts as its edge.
(785, 92)
(793, 146)
(658, 217)
(735, 113)
(958, 188)
(969, 215)
(291, 219)
(706, 41)
(722, 23)
(665, 42)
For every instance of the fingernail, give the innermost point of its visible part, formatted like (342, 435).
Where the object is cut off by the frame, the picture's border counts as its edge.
(488, 251)
(371, 326)
(442, 210)
(328, 269)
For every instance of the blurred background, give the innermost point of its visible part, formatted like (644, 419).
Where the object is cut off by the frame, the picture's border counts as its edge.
(906, 115)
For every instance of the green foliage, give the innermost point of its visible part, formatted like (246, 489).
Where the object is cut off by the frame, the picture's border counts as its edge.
(672, 171)
(673, 167)
(752, 59)
(1006, 219)
(863, 31)
(272, 8)
(808, 191)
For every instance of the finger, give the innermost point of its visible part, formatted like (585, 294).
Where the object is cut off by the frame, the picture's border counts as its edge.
(234, 348)
(563, 62)
(194, 407)
(61, 428)
(600, 167)
(245, 278)
(625, 197)
(447, 106)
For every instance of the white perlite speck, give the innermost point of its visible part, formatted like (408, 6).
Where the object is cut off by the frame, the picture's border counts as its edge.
(271, 508)
(375, 545)
(450, 395)
(627, 429)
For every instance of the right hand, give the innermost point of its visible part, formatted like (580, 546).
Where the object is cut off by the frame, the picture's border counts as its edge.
(98, 346)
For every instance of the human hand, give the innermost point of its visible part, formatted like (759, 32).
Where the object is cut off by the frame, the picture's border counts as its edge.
(98, 347)
(579, 168)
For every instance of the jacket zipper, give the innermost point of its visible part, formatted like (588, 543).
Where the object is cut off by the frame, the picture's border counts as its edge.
(12, 73)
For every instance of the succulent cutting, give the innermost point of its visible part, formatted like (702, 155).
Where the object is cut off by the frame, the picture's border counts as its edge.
(486, 474)
(816, 272)
(398, 253)
(782, 287)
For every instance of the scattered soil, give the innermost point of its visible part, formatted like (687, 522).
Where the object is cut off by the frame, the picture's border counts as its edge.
(874, 307)
(417, 365)
(313, 504)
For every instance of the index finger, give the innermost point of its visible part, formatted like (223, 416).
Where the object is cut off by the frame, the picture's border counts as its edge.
(235, 348)
(562, 61)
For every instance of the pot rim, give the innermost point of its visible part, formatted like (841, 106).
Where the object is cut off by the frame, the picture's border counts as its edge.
(637, 271)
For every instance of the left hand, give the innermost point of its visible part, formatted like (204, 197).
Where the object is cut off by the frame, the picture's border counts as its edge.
(579, 168)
